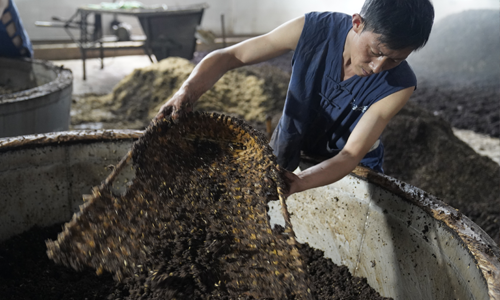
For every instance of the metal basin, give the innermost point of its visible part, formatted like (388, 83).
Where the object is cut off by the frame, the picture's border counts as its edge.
(407, 243)
(41, 99)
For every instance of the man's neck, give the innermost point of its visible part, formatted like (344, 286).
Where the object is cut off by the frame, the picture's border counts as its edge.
(347, 68)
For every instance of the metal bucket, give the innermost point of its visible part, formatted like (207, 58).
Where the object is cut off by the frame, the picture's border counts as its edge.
(42, 99)
(407, 243)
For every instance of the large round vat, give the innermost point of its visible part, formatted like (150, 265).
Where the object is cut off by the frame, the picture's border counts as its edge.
(35, 97)
(407, 243)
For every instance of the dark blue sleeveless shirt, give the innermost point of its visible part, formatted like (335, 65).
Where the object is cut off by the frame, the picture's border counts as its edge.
(321, 110)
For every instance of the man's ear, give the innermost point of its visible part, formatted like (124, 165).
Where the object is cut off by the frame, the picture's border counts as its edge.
(357, 23)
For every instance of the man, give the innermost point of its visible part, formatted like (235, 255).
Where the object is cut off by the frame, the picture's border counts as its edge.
(349, 78)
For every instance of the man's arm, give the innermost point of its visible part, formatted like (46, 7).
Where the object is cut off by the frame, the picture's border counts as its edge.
(216, 64)
(364, 135)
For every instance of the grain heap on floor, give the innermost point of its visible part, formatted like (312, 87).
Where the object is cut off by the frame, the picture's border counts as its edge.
(250, 93)
(194, 220)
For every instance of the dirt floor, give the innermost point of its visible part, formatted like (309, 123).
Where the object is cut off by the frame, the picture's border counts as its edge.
(474, 107)
(422, 149)
(483, 144)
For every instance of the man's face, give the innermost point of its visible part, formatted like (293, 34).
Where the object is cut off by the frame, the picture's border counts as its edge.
(369, 56)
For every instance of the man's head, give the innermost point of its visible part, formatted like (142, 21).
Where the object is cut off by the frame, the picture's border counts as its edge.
(400, 23)
(386, 32)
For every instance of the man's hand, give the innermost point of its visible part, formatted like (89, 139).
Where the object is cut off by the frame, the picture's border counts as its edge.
(292, 182)
(177, 105)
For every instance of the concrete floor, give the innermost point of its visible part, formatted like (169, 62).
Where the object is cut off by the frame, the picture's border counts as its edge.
(102, 81)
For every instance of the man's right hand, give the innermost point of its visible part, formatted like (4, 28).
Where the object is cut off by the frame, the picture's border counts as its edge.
(217, 63)
(177, 105)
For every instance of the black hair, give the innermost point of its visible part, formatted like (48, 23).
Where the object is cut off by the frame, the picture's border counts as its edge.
(401, 23)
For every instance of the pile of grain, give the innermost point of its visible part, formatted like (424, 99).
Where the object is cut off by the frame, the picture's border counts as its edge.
(250, 93)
